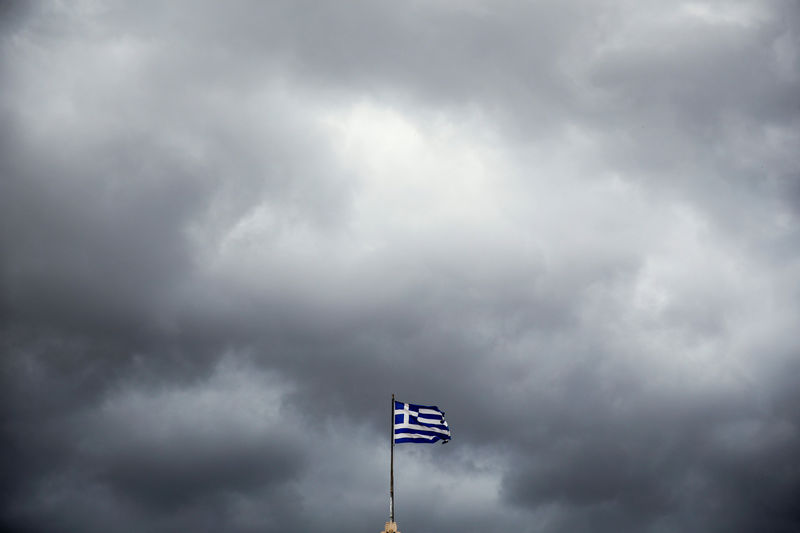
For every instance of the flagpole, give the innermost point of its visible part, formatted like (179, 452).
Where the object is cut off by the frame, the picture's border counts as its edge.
(391, 470)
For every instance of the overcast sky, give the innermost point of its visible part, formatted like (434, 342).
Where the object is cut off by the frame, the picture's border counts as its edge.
(229, 231)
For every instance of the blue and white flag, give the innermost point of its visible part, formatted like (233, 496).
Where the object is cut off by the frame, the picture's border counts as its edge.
(419, 423)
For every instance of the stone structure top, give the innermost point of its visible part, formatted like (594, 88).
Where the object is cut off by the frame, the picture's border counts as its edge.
(391, 527)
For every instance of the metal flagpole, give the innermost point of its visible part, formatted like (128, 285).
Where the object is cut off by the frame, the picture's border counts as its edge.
(391, 471)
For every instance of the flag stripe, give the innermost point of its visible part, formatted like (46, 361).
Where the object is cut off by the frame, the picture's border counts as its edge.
(401, 440)
(416, 427)
(421, 431)
(415, 420)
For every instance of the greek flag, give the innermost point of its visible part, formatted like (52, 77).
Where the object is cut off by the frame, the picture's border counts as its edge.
(419, 423)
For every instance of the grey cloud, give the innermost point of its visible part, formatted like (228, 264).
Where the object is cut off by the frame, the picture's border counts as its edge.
(169, 478)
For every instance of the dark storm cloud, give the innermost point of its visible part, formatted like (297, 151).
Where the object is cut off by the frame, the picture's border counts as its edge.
(648, 469)
(228, 233)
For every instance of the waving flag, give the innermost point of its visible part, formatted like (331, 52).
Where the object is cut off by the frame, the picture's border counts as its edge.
(419, 423)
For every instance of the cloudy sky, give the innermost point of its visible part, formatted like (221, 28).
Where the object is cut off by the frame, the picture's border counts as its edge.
(230, 231)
